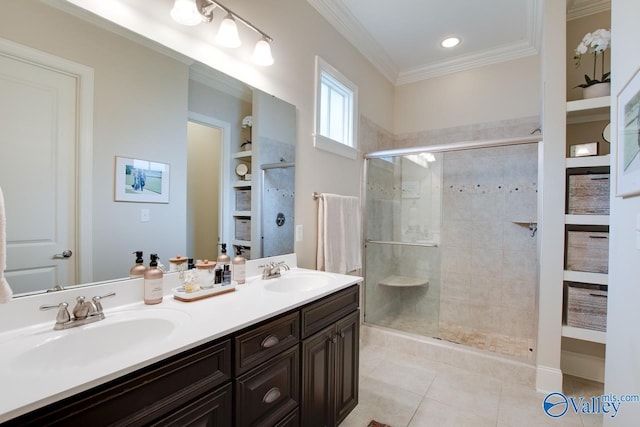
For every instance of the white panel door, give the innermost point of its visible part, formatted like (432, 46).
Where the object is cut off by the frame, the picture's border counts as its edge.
(38, 114)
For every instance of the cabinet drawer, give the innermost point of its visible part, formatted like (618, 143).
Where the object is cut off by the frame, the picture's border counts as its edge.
(262, 343)
(319, 314)
(144, 395)
(269, 392)
(291, 420)
(211, 410)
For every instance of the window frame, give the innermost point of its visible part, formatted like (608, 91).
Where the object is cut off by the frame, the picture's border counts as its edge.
(326, 143)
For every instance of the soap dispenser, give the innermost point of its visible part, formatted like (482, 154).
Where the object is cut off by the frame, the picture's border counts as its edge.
(223, 258)
(239, 267)
(139, 268)
(153, 282)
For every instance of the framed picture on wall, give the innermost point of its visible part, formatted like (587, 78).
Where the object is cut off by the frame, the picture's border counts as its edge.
(628, 145)
(141, 181)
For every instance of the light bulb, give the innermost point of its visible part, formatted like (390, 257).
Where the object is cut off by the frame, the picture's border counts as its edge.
(228, 33)
(262, 53)
(450, 42)
(185, 12)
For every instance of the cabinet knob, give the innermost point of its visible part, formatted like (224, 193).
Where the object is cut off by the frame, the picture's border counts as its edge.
(269, 341)
(272, 395)
(341, 334)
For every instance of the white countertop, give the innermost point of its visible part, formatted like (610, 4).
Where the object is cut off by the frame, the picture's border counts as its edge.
(198, 322)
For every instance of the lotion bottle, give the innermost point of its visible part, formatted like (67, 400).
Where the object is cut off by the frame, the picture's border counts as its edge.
(138, 269)
(239, 267)
(153, 282)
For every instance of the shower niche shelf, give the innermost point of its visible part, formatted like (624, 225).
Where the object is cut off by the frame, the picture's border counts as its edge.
(404, 281)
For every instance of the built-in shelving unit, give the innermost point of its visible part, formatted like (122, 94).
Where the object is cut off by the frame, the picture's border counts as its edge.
(242, 214)
(584, 111)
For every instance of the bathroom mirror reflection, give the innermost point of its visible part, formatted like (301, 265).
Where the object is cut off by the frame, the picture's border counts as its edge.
(118, 95)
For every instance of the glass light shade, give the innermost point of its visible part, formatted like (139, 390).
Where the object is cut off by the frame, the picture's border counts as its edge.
(228, 33)
(185, 12)
(262, 53)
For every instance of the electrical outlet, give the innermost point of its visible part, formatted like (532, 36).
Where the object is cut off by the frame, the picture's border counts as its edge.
(144, 215)
(299, 233)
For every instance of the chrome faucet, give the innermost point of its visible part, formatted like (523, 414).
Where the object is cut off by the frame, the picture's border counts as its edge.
(84, 312)
(273, 269)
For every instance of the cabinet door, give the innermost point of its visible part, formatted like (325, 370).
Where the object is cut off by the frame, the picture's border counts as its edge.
(318, 379)
(347, 367)
(211, 410)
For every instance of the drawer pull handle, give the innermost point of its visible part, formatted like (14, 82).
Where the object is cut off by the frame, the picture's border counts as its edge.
(597, 237)
(269, 341)
(598, 295)
(272, 395)
(599, 178)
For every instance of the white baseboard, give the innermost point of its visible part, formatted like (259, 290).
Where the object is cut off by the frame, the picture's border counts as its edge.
(548, 379)
(582, 365)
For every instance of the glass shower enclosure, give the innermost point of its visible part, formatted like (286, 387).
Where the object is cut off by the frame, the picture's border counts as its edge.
(450, 244)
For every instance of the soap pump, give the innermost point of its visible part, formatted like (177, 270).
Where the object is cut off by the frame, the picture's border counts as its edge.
(239, 267)
(223, 258)
(153, 282)
(138, 269)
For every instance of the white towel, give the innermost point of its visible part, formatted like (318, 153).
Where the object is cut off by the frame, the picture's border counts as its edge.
(339, 247)
(5, 289)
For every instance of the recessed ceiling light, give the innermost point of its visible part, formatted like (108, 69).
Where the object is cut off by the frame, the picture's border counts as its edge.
(450, 42)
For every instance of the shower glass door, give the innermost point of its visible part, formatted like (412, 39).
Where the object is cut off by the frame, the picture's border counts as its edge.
(403, 221)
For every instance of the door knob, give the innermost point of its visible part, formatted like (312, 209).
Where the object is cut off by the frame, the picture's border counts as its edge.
(65, 254)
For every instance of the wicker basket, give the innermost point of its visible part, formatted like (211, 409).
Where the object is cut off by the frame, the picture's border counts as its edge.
(588, 194)
(587, 307)
(588, 251)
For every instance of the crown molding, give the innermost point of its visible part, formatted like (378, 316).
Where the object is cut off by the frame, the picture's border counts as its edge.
(219, 81)
(581, 8)
(114, 28)
(341, 18)
(467, 62)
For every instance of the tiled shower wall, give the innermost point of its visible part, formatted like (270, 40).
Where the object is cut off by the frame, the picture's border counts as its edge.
(488, 258)
(488, 252)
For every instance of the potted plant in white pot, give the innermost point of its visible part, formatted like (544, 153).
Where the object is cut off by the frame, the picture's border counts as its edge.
(595, 43)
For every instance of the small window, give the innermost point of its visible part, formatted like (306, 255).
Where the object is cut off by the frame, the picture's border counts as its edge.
(336, 111)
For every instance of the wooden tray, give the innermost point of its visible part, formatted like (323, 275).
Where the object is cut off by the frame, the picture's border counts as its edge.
(201, 294)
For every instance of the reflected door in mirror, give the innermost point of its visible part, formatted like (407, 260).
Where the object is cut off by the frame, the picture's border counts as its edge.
(38, 134)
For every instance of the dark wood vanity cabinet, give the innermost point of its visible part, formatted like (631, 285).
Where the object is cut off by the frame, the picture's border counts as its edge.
(330, 360)
(297, 369)
(190, 387)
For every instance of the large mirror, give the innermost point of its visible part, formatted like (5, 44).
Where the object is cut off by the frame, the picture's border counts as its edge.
(84, 98)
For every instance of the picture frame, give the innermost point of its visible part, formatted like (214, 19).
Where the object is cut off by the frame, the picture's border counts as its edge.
(628, 141)
(142, 181)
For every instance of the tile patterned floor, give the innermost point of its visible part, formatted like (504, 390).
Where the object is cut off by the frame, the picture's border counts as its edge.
(404, 391)
(505, 345)
(520, 348)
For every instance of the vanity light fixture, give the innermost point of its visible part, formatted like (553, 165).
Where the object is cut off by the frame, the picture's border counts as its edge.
(193, 12)
(450, 42)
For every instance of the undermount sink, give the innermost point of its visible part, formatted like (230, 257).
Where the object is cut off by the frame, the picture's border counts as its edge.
(297, 282)
(121, 331)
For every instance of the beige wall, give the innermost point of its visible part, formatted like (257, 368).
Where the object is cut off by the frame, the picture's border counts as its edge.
(576, 29)
(140, 110)
(507, 90)
(203, 193)
(622, 374)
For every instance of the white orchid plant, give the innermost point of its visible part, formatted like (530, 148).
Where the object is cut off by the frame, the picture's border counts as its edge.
(595, 43)
(247, 122)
